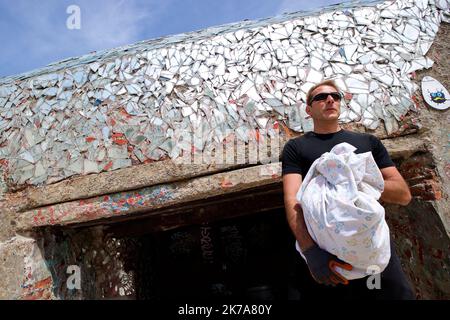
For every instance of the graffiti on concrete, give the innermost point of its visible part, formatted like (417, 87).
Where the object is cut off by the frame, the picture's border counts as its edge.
(103, 206)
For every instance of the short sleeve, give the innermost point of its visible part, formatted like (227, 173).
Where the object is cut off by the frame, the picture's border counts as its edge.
(380, 154)
(290, 159)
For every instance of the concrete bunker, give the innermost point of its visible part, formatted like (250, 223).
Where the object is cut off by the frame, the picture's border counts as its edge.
(233, 245)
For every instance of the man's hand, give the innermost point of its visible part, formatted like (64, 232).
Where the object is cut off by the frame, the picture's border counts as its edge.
(322, 265)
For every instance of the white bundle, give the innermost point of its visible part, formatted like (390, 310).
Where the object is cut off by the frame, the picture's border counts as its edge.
(339, 197)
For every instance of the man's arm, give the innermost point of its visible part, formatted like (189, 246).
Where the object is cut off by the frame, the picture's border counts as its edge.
(396, 189)
(294, 213)
(321, 263)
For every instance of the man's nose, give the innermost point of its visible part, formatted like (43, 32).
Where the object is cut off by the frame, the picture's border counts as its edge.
(330, 99)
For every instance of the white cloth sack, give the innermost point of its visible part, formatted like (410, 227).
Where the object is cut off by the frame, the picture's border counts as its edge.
(339, 197)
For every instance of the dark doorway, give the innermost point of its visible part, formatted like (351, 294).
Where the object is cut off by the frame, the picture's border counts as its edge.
(244, 257)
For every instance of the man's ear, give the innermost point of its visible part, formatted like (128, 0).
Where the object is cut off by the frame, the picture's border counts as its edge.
(308, 110)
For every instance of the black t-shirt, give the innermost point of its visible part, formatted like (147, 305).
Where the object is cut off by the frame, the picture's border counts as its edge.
(300, 153)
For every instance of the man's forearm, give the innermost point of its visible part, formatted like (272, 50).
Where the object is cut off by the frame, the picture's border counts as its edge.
(294, 214)
(396, 192)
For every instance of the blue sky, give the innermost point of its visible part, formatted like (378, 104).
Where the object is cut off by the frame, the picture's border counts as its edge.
(34, 33)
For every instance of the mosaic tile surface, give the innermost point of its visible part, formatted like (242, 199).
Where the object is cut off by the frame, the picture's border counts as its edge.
(169, 96)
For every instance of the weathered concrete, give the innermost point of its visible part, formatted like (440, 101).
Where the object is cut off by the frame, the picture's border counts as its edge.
(437, 122)
(83, 187)
(24, 273)
(423, 245)
(154, 197)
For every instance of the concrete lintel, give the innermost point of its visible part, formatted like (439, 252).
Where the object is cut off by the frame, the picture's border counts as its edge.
(149, 198)
(83, 187)
(253, 201)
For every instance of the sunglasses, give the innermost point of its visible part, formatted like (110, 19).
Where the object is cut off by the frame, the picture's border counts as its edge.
(337, 96)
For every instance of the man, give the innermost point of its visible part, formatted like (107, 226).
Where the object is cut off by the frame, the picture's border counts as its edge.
(323, 105)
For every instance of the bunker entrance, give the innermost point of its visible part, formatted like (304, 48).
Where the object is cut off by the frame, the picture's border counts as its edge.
(241, 257)
(231, 246)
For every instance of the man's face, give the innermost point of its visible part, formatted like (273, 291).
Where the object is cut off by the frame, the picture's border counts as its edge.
(326, 108)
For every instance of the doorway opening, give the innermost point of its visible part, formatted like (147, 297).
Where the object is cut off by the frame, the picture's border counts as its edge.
(243, 257)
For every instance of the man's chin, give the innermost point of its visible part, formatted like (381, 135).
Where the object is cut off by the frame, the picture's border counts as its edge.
(333, 116)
